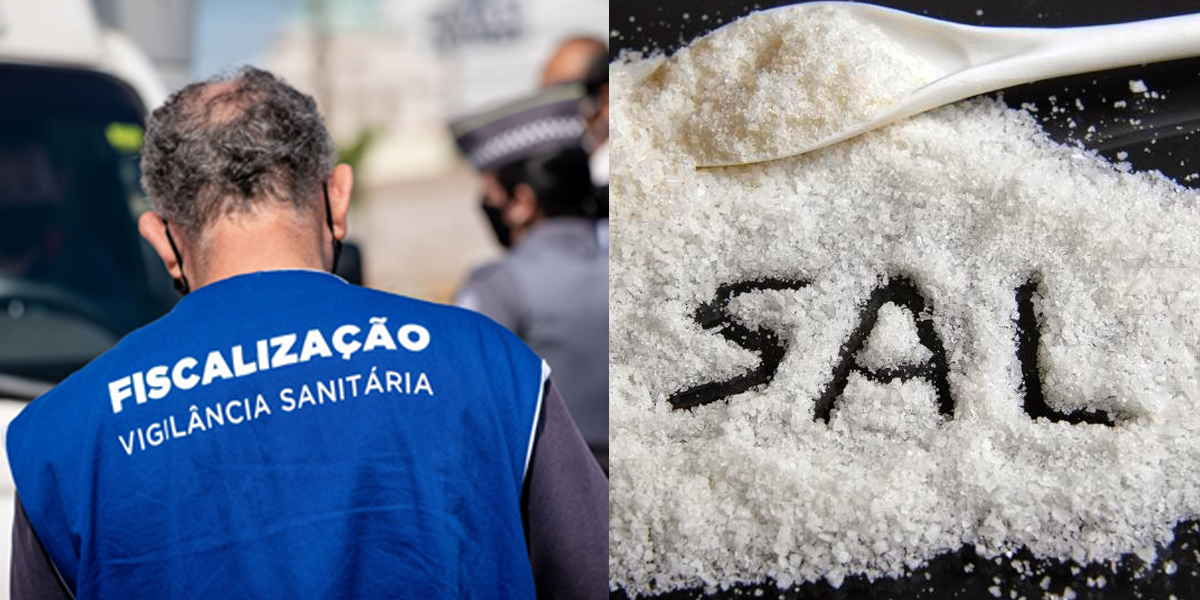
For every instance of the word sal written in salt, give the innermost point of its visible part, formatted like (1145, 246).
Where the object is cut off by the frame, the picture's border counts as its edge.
(245, 410)
(904, 297)
(965, 202)
(271, 353)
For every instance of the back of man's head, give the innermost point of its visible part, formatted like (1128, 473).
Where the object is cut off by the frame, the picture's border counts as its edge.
(234, 144)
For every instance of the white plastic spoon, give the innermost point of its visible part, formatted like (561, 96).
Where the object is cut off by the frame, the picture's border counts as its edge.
(973, 60)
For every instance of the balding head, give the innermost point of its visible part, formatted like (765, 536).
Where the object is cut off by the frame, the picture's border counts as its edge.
(231, 144)
(571, 60)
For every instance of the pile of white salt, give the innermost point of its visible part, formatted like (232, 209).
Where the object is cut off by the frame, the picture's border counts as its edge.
(779, 71)
(967, 202)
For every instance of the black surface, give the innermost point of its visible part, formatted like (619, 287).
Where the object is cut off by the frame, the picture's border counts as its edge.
(1153, 133)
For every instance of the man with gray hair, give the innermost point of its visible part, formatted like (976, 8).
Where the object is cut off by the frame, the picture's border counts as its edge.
(282, 433)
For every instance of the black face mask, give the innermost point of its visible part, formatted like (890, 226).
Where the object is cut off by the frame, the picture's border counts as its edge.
(24, 226)
(181, 284)
(337, 244)
(496, 219)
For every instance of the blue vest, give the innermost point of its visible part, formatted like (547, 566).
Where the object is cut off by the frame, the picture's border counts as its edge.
(288, 435)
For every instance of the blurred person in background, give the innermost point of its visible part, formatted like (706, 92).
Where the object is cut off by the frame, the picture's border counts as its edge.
(571, 60)
(584, 60)
(595, 112)
(595, 138)
(282, 433)
(552, 287)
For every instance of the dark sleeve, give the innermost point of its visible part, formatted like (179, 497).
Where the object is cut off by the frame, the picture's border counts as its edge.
(32, 575)
(565, 506)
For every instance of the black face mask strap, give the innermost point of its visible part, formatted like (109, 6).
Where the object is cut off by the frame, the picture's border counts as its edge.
(181, 284)
(337, 244)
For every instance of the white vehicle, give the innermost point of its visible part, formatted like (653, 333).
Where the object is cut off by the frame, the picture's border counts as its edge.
(74, 274)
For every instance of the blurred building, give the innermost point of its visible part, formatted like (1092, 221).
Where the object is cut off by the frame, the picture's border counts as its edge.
(493, 49)
(403, 68)
(163, 29)
(399, 68)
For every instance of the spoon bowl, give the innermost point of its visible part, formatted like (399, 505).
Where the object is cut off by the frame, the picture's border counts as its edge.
(970, 60)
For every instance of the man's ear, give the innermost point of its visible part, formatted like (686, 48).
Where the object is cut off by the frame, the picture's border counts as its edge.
(524, 206)
(154, 229)
(341, 183)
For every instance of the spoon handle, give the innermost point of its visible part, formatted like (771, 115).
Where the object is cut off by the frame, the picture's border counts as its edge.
(1068, 51)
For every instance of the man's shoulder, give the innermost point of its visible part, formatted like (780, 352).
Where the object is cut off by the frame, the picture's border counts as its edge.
(447, 314)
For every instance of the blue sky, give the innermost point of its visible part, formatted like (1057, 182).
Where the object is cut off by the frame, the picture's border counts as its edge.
(230, 33)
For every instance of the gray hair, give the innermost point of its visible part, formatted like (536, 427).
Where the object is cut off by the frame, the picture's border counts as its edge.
(233, 143)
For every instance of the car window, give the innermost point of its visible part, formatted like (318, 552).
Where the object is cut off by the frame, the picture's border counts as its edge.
(74, 273)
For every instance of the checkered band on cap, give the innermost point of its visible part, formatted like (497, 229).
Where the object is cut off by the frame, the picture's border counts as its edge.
(540, 123)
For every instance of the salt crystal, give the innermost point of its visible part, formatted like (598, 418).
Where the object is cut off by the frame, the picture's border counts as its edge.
(804, 71)
(968, 202)
(893, 341)
(1137, 86)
